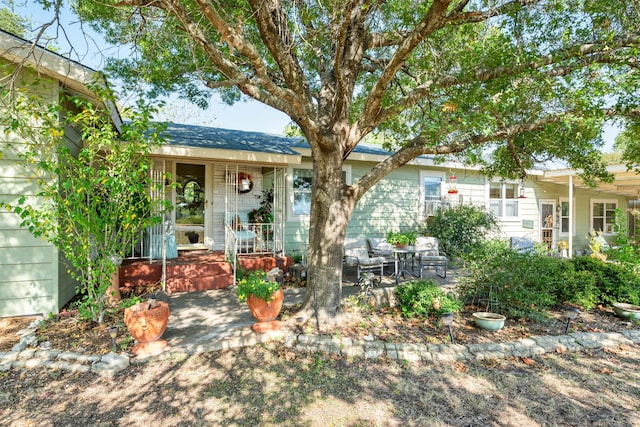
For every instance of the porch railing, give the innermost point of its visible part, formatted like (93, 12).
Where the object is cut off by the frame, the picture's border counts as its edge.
(432, 206)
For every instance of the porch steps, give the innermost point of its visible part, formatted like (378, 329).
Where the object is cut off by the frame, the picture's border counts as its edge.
(194, 271)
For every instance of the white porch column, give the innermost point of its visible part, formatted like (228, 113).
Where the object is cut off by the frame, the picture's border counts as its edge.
(571, 216)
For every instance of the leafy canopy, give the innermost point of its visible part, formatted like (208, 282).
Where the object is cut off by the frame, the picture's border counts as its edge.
(530, 80)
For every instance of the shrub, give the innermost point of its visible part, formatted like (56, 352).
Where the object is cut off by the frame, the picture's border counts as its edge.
(461, 229)
(424, 298)
(615, 282)
(514, 284)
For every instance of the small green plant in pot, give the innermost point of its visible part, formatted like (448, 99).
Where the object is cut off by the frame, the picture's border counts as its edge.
(255, 283)
(399, 238)
(264, 299)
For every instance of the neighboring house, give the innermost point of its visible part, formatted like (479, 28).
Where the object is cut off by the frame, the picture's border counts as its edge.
(33, 278)
(222, 176)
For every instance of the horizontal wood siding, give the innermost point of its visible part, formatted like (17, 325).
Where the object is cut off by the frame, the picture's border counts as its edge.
(28, 265)
(391, 204)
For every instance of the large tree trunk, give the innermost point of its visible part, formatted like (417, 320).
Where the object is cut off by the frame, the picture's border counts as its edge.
(331, 208)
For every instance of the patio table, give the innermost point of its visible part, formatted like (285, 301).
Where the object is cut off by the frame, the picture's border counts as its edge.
(403, 255)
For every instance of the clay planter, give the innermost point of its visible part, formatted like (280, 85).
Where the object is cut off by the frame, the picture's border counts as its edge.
(489, 321)
(266, 312)
(146, 325)
(627, 311)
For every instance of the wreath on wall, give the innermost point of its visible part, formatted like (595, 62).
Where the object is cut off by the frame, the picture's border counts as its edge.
(245, 183)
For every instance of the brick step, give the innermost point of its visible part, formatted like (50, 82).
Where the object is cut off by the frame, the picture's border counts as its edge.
(200, 283)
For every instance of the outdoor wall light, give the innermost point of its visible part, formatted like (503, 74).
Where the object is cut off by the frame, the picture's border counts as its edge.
(113, 333)
(447, 319)
(570, 313)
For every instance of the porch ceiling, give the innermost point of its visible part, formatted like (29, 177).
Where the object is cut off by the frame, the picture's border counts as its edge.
(626, 183)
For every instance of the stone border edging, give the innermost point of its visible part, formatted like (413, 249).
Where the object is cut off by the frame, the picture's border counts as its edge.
(107, 365)
(112, 363)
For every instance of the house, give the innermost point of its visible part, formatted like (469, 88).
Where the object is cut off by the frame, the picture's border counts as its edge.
(221, 183)
(33, 278)
(537, 208)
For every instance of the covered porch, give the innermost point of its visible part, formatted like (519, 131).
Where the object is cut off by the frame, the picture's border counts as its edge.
(227, 192)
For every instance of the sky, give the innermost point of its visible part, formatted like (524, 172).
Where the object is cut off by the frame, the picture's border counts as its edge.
(89, 49)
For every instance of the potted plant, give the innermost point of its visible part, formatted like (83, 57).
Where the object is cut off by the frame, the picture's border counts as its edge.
(401, 239)
(193, 236)
(264, 299)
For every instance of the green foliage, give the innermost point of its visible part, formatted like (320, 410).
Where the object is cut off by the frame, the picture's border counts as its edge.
(514, 284)
(623, 249)
(461, 229)
(425, 298)
(615, 282)
(402, 238)
(527, 285)
(13, 23)
(93, 197)
(255, 283)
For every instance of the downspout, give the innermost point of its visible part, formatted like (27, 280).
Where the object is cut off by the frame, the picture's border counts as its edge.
(571, 216)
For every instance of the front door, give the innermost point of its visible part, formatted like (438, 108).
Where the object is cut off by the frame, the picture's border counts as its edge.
(190, 205)
(547, 222)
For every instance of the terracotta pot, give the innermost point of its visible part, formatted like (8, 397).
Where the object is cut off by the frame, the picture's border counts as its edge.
(146, 325)
(266, 312)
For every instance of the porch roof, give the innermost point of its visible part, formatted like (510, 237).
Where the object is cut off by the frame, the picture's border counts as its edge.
(626, 182)
(216, 143)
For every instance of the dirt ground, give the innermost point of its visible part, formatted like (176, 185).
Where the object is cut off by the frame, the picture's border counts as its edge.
(272, 385)
(67, 332)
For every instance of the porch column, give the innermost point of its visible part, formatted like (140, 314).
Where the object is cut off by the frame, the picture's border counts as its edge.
(570, 215)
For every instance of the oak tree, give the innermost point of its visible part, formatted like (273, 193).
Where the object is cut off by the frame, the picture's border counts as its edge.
(522, 80)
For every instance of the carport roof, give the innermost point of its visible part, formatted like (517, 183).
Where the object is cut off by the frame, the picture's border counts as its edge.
(626, 182)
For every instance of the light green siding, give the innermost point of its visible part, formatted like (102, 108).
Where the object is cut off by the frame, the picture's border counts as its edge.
(394, 204)
(32, 281)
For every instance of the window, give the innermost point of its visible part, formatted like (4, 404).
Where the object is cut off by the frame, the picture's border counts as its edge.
(431, 193)
(301, 194)
(564, 216)
(603, 213)
(302, 191)
(503, 199)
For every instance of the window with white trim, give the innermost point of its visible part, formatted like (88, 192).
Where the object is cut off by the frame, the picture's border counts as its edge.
(503, 199)
(564, 216)
(431, 192)
(301, 193)
(603, 215)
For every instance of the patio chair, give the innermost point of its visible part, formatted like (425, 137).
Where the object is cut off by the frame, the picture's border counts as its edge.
(357, 255)
(246, 237)
(428, 255)
(380, 247)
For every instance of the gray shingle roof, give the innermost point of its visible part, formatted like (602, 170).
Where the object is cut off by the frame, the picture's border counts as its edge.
(229, 139)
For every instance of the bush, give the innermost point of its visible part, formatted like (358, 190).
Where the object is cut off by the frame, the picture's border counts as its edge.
(424, 298)
(615, 282)
(461, 229)
(527, 285)
(514, 284)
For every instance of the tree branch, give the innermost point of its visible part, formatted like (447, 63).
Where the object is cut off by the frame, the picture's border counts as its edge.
(595, 52)
(420, 145)
(432, 20)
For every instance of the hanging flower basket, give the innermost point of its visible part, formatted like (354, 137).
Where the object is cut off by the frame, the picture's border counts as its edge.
(245, 183)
